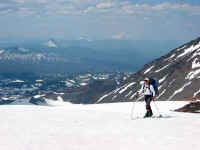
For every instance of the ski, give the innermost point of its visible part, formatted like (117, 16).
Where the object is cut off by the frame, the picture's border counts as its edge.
(148, 118)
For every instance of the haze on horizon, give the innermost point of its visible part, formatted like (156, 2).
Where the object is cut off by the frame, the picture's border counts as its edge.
(100, 19)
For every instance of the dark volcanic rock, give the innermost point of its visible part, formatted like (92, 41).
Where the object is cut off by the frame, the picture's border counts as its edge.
(192, 107)
(84, 94)
(88, 94)
(3, 102)
(38, 101)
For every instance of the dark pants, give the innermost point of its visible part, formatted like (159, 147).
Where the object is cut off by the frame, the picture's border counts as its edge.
(148, 99)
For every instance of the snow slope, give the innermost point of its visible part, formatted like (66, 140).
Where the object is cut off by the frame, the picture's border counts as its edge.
(97, 127)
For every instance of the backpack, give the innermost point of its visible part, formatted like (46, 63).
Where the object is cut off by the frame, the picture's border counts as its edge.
(154, 84)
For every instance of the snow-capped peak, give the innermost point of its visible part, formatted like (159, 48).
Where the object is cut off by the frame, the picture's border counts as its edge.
(51, 43)
(85, 38)
(23, 49)
(1, 51)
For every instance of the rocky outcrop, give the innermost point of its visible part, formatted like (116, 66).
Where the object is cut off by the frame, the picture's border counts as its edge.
(192, 107)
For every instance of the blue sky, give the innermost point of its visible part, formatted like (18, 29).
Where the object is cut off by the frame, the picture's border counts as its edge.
(100, 19)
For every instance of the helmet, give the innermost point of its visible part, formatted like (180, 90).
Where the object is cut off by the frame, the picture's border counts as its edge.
(146, 79)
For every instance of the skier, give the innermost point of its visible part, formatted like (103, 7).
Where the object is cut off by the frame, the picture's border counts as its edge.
(149, 95)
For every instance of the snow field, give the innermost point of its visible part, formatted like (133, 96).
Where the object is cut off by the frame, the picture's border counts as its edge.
(97, 127)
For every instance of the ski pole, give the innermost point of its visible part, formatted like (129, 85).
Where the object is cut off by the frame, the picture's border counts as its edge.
(133, 108)
(157, 109)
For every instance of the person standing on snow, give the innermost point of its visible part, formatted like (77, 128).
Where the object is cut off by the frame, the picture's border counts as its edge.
(149, 95)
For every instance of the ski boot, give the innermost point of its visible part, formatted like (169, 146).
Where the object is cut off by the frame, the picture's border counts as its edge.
(149, 113)
(146, 115)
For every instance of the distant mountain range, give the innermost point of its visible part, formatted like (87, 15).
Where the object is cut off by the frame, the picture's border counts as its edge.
(61, 56)
(178, 75)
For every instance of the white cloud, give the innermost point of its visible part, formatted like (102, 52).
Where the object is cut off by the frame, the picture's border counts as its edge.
(124, 3)
(149, 9)
(105, 5)
(59, 9)
(111, 7)
(85, 37)
(4, 12)
(3, 6)
(23, 11)
(20, 1)
(122, 35)
(89, 9)
(32, 1)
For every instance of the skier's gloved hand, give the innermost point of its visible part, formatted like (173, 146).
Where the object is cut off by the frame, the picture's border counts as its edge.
(154, 98)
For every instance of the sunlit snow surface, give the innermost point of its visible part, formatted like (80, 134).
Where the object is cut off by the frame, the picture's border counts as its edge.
(97, 127)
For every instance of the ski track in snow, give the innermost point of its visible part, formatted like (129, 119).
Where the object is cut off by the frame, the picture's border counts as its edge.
(97, 127)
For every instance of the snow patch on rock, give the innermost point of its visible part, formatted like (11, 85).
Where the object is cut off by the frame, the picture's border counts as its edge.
(133, 96)
(18, 81)
(149, 69)
(126, 87)
(162, 68)
(192, 74)
(58, 93)
(128, 94)
(38, 80)
(196, 93)
(181, 48)
(101, 98)
(195, 63)
(197, 53)
(179, 90)
(83, 84)
(163, 79)
(163, 92)
(172, 56)
(38, 96)
(189, 50)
